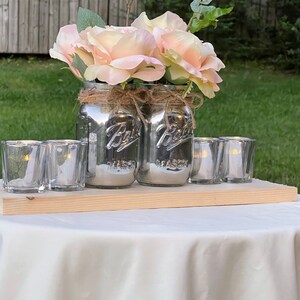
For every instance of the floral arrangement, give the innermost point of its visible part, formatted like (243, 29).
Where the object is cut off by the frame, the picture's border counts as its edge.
(164, 49)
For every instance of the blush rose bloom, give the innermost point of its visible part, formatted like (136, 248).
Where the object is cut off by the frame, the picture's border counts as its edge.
(64, 48)
(168, 21)
(120, 55)
(188, 58)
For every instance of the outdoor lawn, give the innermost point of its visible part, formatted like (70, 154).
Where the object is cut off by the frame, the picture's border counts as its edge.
(38, 101)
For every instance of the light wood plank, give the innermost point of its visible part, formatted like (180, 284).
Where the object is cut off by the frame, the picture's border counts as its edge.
(93, 5)
(103, 10)
(122, 9)
(114, 12)
(53, 21)
(84, 3)
(141, 197)
(13, 26)
(34, 26)
(63, 13)
(4, 26)
(44, 26)
(73, 11)
(23, 46)
(135, 11)
(1, 25)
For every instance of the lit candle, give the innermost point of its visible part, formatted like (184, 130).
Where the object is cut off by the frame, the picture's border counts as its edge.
(237, 164)
(235, 160)
(66, 165)
(205, 160)
(23, 166)
(66, 171)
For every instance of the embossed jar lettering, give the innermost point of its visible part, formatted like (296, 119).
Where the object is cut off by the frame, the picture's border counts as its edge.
(173, 135)
(121, 138)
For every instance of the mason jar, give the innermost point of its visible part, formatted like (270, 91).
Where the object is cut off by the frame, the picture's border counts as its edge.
(111, 129)
(166, 141)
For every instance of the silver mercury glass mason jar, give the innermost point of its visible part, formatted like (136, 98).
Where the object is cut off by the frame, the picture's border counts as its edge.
(108, 122)
(166, 140)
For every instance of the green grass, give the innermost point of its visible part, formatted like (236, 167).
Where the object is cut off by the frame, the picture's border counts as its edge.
(38, 101)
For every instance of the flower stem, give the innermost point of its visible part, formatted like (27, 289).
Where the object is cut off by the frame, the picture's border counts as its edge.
(190, 22)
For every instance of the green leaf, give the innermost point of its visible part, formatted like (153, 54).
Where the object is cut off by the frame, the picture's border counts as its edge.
(86, 18)
(215, 12)
(199, 24)
(137, 82)
(79, 65)
(197, 5)
(208, 17)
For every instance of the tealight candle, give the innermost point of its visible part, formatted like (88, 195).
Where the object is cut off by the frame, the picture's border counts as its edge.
(238, 158)
(206, 160)
(23, 166)
(66, 165)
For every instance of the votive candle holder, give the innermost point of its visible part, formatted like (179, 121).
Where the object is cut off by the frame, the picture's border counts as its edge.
(238, 159)
(207, 154)
(66, 165)
(23, 166)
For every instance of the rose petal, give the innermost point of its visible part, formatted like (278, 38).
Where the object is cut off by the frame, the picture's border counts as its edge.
(169, 21)
(104, 40)
(206, 88)
(187, 45)
(139, 42)
(149, 71)
(140, 66)
(212, 62)
(106, 74)
(176, 74)
(65, 43)
(142, 22)
(131, 62)
(85, 56)
(57, 55)
(177, 59)
(212, 76)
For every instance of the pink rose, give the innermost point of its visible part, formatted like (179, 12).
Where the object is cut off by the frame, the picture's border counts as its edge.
(188, 58)
(120, 55)
(64, 47)
(168, 21)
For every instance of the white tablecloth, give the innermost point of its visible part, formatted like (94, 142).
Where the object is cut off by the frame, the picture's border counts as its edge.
(249, 252)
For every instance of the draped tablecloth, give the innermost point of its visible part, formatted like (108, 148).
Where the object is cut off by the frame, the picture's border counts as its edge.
(247, 252)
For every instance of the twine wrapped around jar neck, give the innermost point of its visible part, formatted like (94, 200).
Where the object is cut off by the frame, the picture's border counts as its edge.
(168, 97)
(160, 94)
(116, 97)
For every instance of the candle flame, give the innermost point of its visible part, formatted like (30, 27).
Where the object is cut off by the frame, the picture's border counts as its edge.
(236, 151)
(26, 157)
(203, 154)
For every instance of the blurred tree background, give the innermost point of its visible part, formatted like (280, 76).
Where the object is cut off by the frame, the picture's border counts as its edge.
(265, 30)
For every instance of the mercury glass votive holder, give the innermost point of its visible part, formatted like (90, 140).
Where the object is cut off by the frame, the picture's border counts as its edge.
(238, 159)
(23, 166)
(207, 153)
(65, 165)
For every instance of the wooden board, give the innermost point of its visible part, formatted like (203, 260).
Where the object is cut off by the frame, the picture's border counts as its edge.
(141, 197)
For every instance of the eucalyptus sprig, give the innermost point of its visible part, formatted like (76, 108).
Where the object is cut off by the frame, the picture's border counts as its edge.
(205, 15)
